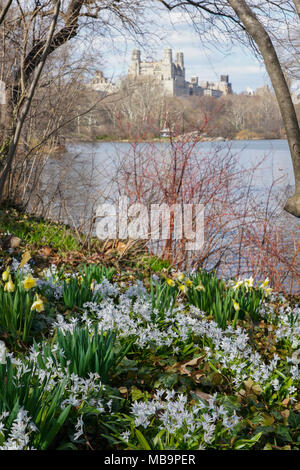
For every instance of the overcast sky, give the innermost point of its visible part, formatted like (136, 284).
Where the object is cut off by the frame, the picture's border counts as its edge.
(203, 57)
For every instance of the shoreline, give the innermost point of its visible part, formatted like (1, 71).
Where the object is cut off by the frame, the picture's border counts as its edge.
(157, 140)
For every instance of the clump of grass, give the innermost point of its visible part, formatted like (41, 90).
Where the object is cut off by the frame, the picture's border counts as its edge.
(224, 303)
(43, 404)
(19, 303)
(78, 290)
(37, 231)
(154, 263)
(82, 352)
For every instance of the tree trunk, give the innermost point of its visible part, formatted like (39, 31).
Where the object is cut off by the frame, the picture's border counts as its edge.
(4, 12)
(27, 103)
(33, 65)
(257, 31)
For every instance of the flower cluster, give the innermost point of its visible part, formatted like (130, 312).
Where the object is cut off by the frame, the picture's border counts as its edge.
(172, 412)
(20, 431)
(249, 284)
(155, 322)
(183, 282)
(230, 348)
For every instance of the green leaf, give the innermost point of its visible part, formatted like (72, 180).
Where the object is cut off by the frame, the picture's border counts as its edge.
(56, 427)
(247, 443)
(142, 440)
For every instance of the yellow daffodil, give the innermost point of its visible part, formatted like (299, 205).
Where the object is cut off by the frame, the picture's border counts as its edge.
(180, 277)
(188, 282)
(236, 306)
(29, 282)
(200, 287)
(170, 282)
(5, 274)
(249, 282)
(38, 305)
(183, 288)
(265, 283)
(268, 291)
(9, 286)
(67, 280)
(238, 284)
(92, 286)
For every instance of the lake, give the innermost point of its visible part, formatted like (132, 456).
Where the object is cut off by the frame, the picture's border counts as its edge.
(76, 182)
(84, 172)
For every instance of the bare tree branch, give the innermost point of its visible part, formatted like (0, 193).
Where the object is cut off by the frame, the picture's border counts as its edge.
(5, 11)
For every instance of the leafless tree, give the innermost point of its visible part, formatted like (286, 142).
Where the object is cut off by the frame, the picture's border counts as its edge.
(256, 22)
(252, 22)
(140, 110)
(36, 30)
(4, 10)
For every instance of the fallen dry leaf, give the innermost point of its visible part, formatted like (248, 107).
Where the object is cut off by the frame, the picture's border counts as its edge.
(194, 363)
(200, 394)
(25, 258)
(46, 251)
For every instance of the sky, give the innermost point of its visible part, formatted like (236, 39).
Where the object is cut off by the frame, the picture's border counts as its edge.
(243, 69)
(202, 56)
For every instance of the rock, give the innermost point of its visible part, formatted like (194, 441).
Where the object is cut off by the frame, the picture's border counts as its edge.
(14, 242)
(10, 242)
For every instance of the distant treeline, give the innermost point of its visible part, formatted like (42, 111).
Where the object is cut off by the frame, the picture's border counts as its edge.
(140, 110)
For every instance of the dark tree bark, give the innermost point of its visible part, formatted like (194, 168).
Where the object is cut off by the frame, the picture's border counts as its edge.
(4, 11)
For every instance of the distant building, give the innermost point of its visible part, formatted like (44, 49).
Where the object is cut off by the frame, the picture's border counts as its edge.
(172, 76)
(100, 83)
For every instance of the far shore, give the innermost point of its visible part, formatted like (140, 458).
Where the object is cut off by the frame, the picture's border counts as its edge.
(161, 140)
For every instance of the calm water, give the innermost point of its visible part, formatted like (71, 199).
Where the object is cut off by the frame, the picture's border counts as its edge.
(75, 183)
(84, 174)
(275, 153)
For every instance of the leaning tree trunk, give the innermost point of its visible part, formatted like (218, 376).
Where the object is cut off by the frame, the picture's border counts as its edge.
(4, 11)
(257, 31)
